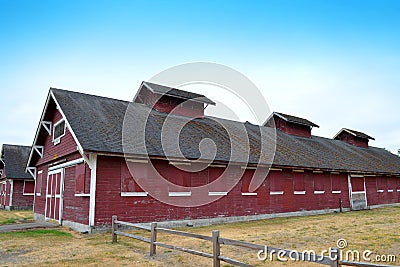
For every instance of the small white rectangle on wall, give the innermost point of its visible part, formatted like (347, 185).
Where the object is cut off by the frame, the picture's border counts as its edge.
(299, 192)
(217, 193)
(134, 194)
(249, 194)
(319, 192)
(337, 192)
(179, 194)
(390, 190)
(380, 191)
(275, 193)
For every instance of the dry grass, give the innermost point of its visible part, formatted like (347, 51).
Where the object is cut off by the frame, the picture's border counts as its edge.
(376, 230)
(15, 216)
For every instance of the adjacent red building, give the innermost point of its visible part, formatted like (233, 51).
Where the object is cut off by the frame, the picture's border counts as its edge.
(16, 186)
(82, 161)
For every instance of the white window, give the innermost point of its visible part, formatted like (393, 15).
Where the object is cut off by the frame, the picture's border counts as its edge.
(58, 131)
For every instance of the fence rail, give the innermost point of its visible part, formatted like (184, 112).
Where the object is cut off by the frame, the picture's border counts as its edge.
(217, 241)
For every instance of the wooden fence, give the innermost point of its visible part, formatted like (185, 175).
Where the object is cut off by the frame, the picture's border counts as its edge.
(217, 241)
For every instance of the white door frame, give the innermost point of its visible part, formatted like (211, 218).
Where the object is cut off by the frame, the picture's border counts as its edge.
(60, 196)
(351, 192)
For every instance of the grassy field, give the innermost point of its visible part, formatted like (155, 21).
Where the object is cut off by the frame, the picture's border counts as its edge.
(7, 217)
(375, 230)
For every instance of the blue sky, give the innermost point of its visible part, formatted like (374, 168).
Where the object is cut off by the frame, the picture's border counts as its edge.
(336, 63)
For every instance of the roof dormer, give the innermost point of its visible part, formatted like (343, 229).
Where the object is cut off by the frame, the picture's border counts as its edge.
(290, 124)
(171, 100)
(353, 137)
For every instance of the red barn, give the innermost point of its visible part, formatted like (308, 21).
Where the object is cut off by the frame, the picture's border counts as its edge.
(16, 186)
(82, 161)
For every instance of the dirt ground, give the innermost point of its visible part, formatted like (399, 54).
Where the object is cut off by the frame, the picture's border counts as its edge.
(375, 230)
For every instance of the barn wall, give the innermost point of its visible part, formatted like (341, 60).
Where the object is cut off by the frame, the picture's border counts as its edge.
(382, 190)
(19, 200)
(144, 209)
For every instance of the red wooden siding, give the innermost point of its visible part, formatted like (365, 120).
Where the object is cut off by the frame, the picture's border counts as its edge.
(357, 184)
(18, 198)
(292, 128)
(66, 146)
(172, 105)
(75, 208)
(144, 209)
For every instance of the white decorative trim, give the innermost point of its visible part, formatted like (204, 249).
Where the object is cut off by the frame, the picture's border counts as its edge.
(28, 194)
(92, 202)
(380, 191)
(356, 176)
(134, 194)
(398, 190)
(336, 191)
(138, 160)
(248, 168)
(335, 172)
(58, 139)
(31, 171)
(217, 165)
(217, 193)
(179, 194)
(318, 172)
(11, 192)
(38, 194)
(275, 169)
(358, 192)
(39, 150)
(67, 164)
(390, 190)
(180, 163)
(82, 195)
(299, 192)
(275, 193)
(249, 194)
(369, 175)
(298, 170)
(318, 192)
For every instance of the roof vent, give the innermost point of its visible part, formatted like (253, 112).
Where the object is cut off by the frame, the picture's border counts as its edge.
(290, 124)
(171, 100)
(353, 137)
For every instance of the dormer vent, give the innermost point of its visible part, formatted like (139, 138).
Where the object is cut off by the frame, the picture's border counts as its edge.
(353, 137)
(290, 124)
(171, 100)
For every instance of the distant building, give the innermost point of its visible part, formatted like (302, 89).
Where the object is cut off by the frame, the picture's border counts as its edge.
(82, 177)
(16, 186)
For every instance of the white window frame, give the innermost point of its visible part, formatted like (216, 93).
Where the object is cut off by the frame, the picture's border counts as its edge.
(58, 139)
(28, 194)
(39, 177)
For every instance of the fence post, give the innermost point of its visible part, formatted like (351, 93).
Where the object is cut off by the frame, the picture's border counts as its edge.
(114, 228)
(335, 256)
(153, 239)
(216, 248)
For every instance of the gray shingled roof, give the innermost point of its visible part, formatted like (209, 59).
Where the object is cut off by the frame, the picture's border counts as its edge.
(15, 159)
(166, 90)
(295, 119)
(97, 123)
